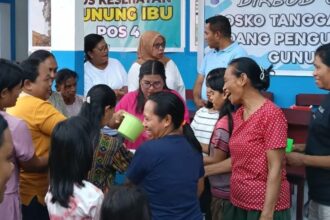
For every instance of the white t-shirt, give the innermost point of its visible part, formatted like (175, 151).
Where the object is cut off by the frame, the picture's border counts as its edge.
(203, 124)
(173, 78)
(85, 204)
(114, 75)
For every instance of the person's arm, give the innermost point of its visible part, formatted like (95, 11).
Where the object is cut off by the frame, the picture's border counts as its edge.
(300, 159)
(121, 92)
(218, 168)
(133, 77)
(299, 147)
(219, 155)
(205, 148)
(197, 91)
(200, 186)
(116, 119)
(179, 84)
(273, 185)
(35, 164)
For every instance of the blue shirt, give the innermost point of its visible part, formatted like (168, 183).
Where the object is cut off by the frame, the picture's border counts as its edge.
(219, 59)
(168, 169)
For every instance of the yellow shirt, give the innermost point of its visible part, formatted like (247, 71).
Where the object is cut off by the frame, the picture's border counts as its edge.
(41, 118)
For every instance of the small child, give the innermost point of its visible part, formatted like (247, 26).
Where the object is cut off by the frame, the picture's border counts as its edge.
(69, 195)
(125, 203)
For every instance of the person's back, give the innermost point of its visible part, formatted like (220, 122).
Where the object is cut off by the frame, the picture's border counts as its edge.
(69, 195)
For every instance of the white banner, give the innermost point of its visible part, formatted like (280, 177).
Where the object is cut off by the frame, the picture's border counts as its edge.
(284, 33)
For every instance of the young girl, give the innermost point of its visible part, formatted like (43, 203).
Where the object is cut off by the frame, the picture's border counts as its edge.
(110, 155)
(70, 196)
(218, 147)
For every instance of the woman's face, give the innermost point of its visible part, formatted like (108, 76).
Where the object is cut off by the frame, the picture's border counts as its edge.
(321, 74)
(99, 55)
(217, 98)
(6, 165)
(158, 48)
(68, 88)
(151, 84)
(154, 126)
(233, 88)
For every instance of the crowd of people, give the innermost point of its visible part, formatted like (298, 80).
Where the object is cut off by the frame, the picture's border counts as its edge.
(60, 152)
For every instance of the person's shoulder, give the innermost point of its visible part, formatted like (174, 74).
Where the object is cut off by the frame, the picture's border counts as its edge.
(237, 48)
(270, 108)
(114, 61)
(88, 186)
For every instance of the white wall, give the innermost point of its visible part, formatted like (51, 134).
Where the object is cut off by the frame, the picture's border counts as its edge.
(5, 31)
(21, 29)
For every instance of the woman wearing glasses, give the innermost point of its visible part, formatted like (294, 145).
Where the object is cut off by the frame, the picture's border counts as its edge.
(100, 69)
(151, 47)
(152, 79)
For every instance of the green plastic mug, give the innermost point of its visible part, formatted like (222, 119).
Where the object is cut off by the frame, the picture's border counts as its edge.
(289, 145)
(131, 127)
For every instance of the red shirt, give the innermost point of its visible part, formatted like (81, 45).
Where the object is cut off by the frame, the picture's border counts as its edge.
(264, 130)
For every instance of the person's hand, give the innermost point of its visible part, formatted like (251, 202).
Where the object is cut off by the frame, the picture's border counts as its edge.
(120, 92)
(295, 159)
(119, 116)
(199, 103)
(299, 147)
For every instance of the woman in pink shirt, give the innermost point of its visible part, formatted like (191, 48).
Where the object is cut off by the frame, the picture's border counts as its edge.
(259, 189)
(152, 79)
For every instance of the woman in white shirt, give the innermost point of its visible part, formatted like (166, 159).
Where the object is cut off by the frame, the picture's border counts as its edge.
(151, 47)
(101, 69)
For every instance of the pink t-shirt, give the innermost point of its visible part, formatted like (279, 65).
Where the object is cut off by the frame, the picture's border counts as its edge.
(129, 102)
(219, 141)
(265, 129)
(23, 151)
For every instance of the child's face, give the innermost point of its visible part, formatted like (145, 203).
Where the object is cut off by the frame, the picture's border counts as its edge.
(6, 165)
(217, 98)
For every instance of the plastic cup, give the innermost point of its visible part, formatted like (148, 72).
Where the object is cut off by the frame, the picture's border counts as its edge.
(131, 127)
(289, 145)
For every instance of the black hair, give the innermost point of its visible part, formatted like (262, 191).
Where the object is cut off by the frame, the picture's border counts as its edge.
(11, 75)
(3, 127)
(220, 23)
(150, 67)
(215, 80)
(98, 97)
(168, 103)
(90, 42)
(259, 77)
(324, 53)
(41, 55)
(70, 158)
(125, 203)
(30, 69)
(212, 73)
(63, 75)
